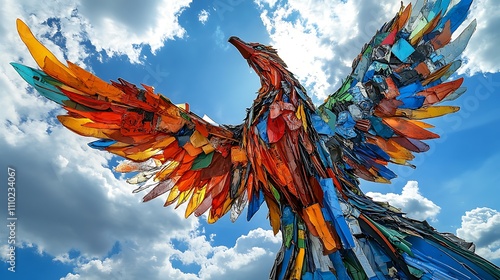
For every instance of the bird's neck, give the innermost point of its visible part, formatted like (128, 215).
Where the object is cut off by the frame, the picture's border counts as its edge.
(277, 84)
(273, 76)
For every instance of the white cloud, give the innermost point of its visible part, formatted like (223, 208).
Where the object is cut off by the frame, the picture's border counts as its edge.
(203, 16)
(124, 27)
(482, 226)
(410, 201)
(251, 257)
(113, 27)
(263, 3)
(482, 50)
(251, 253)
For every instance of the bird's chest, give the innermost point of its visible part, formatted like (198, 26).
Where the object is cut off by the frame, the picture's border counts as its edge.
(275, 114)
(274, 129)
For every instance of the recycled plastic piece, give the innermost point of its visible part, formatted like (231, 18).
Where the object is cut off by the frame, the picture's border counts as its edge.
(402, 49)
(427, 112)
(44, 84)
(303, 161)
(452, 50)
(456, 14)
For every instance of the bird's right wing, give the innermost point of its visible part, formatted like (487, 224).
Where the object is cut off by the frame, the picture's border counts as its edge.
(398, 79)
(171, 149)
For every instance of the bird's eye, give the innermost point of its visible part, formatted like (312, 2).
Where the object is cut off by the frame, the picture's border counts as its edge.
(259, 48)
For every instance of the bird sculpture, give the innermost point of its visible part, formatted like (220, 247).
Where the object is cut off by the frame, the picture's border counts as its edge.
(303, 161)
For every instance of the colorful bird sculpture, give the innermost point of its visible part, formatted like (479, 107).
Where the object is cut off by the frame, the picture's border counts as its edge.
(303, 161)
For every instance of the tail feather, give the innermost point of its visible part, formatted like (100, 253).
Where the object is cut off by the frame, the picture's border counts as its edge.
(384, 246)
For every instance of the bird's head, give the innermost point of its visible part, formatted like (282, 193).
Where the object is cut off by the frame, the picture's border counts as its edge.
(264, 60)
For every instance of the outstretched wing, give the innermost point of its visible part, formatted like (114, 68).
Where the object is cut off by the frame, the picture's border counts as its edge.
(398, 79)
(171, 149)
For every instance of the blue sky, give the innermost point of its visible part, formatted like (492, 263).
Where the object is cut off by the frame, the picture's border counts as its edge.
(79, 220)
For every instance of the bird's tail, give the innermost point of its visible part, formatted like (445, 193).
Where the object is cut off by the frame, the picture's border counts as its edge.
(380, 243)
(302, 254)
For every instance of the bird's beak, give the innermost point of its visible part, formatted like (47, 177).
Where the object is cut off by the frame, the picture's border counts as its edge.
(245, 50)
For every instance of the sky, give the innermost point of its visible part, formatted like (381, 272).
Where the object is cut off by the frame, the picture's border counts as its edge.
(79, 220)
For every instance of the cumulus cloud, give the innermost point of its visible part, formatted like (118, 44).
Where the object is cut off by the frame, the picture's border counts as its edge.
(203, 16)
(263, 3)
(110, 27)
(482, 226)
(251, 258)
(123, 27)
(410, 201)
(250, 253)
(481, 53)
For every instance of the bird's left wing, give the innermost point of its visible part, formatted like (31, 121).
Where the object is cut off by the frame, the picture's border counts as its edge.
(398, 79)
(170, 148)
